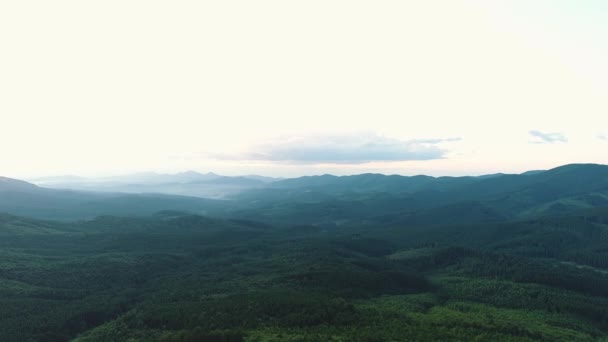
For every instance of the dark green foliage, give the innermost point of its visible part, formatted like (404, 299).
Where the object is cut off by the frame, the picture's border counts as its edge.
(249, 310)
(179, 277)
(199, 335)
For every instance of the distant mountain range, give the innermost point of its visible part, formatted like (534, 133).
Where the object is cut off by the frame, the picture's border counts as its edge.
(189, 183)
(320, 200)
(21, 198)
(331, 200)
(212, 185)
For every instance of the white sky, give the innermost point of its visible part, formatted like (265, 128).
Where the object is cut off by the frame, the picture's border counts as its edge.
(107, 87)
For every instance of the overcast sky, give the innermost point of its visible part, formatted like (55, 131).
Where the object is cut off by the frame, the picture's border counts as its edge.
(287, 88)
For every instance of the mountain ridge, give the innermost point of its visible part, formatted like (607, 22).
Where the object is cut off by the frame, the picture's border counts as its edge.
(563, 189)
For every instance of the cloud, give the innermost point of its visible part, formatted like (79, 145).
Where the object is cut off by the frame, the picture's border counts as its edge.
(603, 136)
(547, 138)
(343, 149)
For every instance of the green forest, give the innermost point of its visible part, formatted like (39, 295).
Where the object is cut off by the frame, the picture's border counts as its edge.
(497, 262)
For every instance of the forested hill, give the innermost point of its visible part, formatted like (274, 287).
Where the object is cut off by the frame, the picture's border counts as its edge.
(331, 200)
(182, 277)
(569, 179)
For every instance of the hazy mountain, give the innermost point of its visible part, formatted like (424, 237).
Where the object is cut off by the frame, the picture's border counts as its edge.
(263, 178)
(26, 199)
(332, 199)
(236, 181)
(189, 183)
(57, 179)
(136, 178)
(10, 185)
(160, 178)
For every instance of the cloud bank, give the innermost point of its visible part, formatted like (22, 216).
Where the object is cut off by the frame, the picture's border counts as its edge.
(343, 149)
(547, 138)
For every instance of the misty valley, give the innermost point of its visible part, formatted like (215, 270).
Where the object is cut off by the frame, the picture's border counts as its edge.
(357, 258)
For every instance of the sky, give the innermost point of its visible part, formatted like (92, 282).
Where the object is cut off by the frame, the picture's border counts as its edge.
(290, 88)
